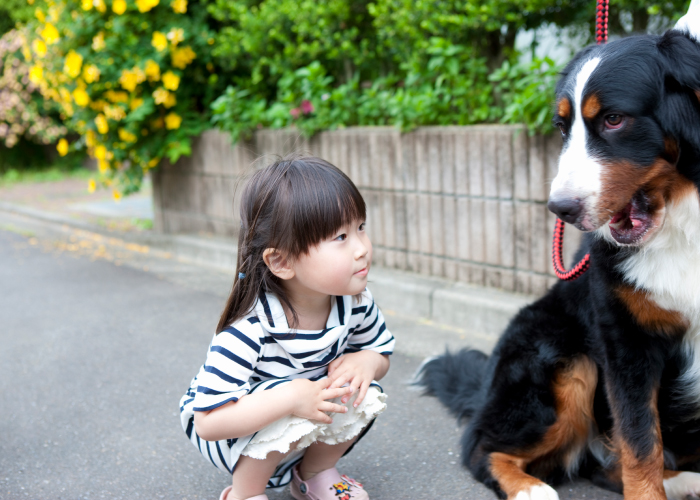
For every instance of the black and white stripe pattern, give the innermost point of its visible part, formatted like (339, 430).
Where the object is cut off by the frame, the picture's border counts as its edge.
(260, 352)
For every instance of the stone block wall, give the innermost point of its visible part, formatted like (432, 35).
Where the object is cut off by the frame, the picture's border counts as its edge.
(463, 203)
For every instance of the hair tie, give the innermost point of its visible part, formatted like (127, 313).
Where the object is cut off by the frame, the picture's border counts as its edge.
(241, 276)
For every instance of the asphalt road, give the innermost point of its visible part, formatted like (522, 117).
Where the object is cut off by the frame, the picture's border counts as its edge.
(95, 354)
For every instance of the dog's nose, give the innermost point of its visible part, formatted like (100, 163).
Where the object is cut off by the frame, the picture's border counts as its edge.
(567, 209)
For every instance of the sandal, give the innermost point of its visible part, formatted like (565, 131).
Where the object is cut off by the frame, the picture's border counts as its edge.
(326, 485)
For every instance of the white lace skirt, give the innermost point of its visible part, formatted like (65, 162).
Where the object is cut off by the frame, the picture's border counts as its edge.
(279, 435)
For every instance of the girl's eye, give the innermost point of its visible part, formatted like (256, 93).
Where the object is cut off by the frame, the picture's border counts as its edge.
(341, 237)
(362, 226)
(613, 122)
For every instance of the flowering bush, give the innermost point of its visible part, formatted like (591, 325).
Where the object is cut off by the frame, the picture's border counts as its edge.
(23, 111)
(132, 78)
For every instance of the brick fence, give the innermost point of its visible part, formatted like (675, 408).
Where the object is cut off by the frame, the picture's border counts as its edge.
(464, 203)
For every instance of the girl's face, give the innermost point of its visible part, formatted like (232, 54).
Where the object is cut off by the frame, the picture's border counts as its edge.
(338, 265)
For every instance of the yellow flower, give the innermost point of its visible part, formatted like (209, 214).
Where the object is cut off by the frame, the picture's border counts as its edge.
(211, 41)
(135, 103)
(39, 47)
(119, 7)
(103, 166)
(182, 57)
(36, 74)
(128, 80)
(100, 5)
(90, 138)
(30, 2)
(176, 35)
(146, 5)
(50, 34)
(100, 152)
(92, 185)
(170, 101)
(159, 41)
(27, 53)
(117, 96)
(54, 12)
(101, 123)
(98, 105)
(81, 97)
(39, 14)
(160, 95)
(65, 95)
(152, 70)
(171, 81)
(115, 113)
(62, 147)
(116, 195)
(67, 108)
(157, 123)
(86, 4)
(153, 162)
(126, 136)
(98, 42)
(91, 73)
(179, 6)
(73, 64)
(172, 121)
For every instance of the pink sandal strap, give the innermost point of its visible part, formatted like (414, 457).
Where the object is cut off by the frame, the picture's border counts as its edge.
(327, 485)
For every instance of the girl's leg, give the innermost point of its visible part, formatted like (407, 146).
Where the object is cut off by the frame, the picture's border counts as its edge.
(251, 475)
(320, 456)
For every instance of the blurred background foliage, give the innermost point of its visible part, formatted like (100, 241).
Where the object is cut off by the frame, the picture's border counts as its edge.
(131, 82)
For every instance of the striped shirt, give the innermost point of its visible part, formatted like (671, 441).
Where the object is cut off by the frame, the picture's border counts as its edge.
(260, 352)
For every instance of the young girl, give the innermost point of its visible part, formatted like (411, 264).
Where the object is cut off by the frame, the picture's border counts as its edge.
(288, 385)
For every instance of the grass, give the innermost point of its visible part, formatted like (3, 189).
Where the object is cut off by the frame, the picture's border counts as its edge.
(51, 174)
(12, 229)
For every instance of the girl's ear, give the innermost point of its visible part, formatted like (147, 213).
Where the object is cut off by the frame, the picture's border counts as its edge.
(278, 263)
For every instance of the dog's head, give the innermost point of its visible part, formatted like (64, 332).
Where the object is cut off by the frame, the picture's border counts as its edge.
(629, 115)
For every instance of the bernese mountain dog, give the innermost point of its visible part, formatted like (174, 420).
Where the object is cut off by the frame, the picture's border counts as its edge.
(600, 378)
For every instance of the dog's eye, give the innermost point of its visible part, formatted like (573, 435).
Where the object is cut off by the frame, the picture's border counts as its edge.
(613, 122)
(561, 126)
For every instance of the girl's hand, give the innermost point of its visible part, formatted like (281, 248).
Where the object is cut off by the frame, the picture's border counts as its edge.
(358, 369)
(310, 399)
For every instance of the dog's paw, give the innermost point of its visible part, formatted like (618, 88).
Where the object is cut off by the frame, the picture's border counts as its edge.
(684, 485)
(538, 492)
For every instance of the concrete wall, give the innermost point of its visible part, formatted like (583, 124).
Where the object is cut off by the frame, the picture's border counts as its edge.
(463, 203)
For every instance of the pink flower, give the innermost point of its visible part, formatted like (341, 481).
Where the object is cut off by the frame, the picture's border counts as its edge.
(294, 112)
(306, 107)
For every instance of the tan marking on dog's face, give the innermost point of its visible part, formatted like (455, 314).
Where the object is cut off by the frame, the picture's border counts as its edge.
(564, 108)
(649, 315)
(670, 474)
(591, 107)
(671, 151)
(661, 183)
(697, 94)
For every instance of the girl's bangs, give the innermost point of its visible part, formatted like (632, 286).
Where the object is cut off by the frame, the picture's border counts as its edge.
(321, 199)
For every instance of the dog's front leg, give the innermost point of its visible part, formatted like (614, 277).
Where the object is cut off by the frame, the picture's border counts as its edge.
(632, 381)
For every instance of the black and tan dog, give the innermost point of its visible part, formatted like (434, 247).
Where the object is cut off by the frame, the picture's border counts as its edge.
(601, 377)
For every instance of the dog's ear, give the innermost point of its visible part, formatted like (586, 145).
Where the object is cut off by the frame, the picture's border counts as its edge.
(679, 109)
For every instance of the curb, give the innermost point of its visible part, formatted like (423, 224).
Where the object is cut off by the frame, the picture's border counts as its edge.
(469, 308)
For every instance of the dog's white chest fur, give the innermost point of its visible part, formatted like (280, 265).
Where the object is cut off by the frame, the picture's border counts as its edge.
(668, 267)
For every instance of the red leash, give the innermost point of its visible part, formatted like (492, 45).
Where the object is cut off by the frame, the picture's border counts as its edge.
(601, 36)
